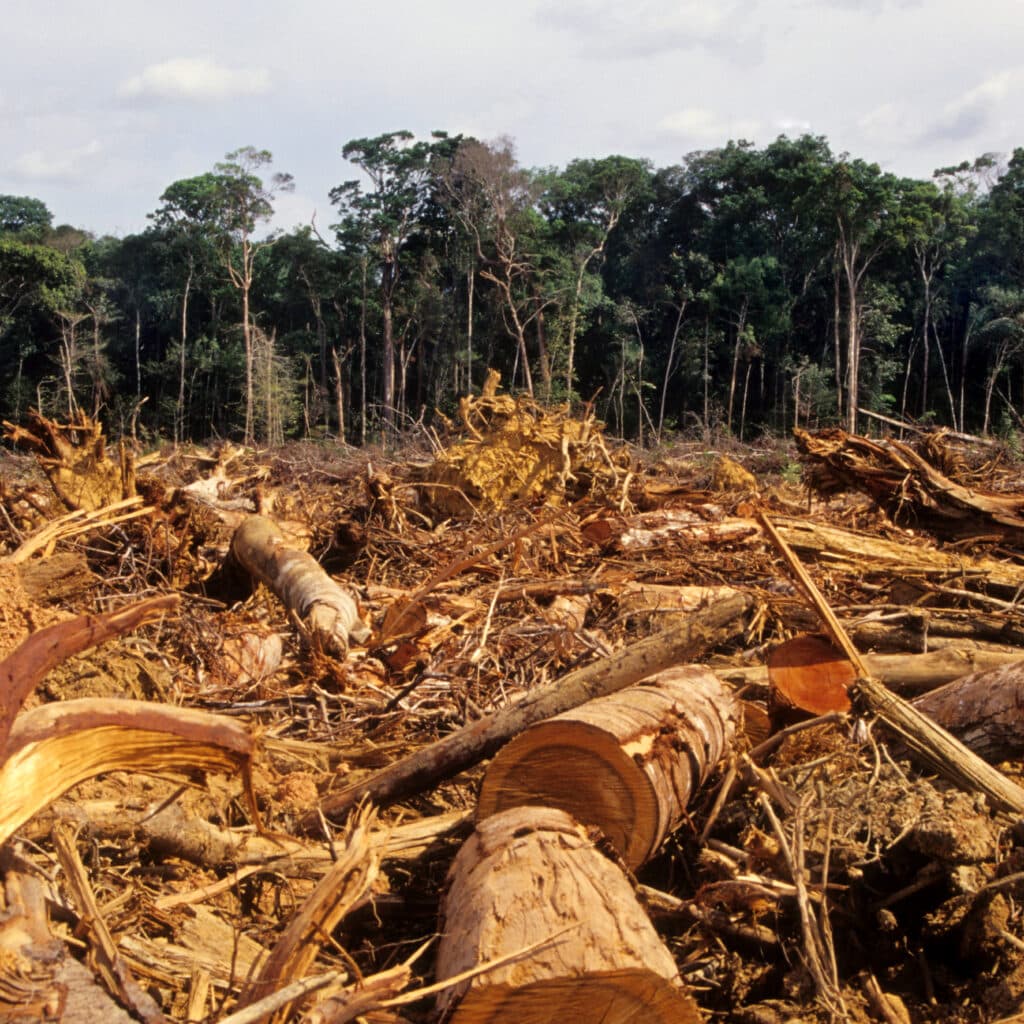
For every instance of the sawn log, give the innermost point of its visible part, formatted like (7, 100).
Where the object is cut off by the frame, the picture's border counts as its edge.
(627, 763)
(532, 874)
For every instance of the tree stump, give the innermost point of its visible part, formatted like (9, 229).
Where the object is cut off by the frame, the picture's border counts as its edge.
(627, 763)
(532, 874)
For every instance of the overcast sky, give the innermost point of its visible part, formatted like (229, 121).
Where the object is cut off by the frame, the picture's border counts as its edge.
(102, 105)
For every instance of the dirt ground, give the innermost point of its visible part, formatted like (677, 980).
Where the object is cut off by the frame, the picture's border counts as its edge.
(830, 876)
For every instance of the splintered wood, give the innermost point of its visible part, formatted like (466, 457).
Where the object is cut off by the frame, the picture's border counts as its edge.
(540, 730)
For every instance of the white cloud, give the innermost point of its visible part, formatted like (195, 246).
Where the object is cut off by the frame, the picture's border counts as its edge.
(969, 115)
(194, 78)
(62, 165)
(700, 125)
(611, 28)
(887, 123)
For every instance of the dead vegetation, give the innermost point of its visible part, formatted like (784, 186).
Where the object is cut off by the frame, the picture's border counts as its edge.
(522, 731)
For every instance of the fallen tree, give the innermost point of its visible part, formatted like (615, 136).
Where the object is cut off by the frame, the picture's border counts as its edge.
(327, 609)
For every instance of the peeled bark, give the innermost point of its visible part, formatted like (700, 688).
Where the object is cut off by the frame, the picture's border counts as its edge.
(532, 876)
(297, 579)
(54, 747)
(627, 763)
(25, 666)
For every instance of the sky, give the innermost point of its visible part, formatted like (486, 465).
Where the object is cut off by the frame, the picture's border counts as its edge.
(102, 106)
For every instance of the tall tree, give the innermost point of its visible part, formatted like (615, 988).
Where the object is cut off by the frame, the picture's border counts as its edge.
(26, 217)
(386, 218)
(246, 201)
(585, 204)
(865, 204)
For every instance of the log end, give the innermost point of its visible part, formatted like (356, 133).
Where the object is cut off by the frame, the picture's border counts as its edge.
(581, 770)
(614, 997)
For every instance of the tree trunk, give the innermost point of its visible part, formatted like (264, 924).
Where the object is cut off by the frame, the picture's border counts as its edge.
(339, 394)
(741, 324)
(387, 314)
(531, 886)
(329, 611)
(470, 290)
(984, 710)
(628, 763)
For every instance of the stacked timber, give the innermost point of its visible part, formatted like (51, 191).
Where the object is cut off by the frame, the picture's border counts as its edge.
(531, 890)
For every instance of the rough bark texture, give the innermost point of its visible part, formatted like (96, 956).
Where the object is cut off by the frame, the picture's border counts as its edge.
(327, 609)
(627, 763)
(458, 751)
(531, 875)
(984, 710)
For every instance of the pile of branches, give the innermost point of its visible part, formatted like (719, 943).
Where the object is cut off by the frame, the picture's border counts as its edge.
(342, 712)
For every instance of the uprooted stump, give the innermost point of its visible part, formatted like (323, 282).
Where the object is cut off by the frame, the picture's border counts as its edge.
(515, 449)
(75, 459)
(627, 763)
(531, 888)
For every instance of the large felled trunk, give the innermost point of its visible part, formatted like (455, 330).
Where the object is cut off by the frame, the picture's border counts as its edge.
(627, 763)
(530, 882)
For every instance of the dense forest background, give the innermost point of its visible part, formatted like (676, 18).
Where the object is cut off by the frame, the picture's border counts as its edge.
(742, 290)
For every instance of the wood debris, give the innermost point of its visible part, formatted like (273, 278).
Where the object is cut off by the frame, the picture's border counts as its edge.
(539, 730)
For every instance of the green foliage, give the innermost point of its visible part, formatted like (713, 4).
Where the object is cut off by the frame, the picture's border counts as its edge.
(26, 217)
(744, 288)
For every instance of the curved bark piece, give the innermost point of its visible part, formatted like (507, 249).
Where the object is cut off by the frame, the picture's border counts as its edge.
(54, 747)
(530, 874)
(627, 763)
(298, 580)
(483, 738)
(25, 666)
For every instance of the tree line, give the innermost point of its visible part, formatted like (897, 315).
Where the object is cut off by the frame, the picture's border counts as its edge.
(743, 289)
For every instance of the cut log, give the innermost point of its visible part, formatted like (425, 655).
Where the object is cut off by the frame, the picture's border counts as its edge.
(297, 579)
(906, 674)
(708, 525)
(532, 874)
(627, 763)
(984, 710)
(808, 675)
(862, 554)
(460, 750)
